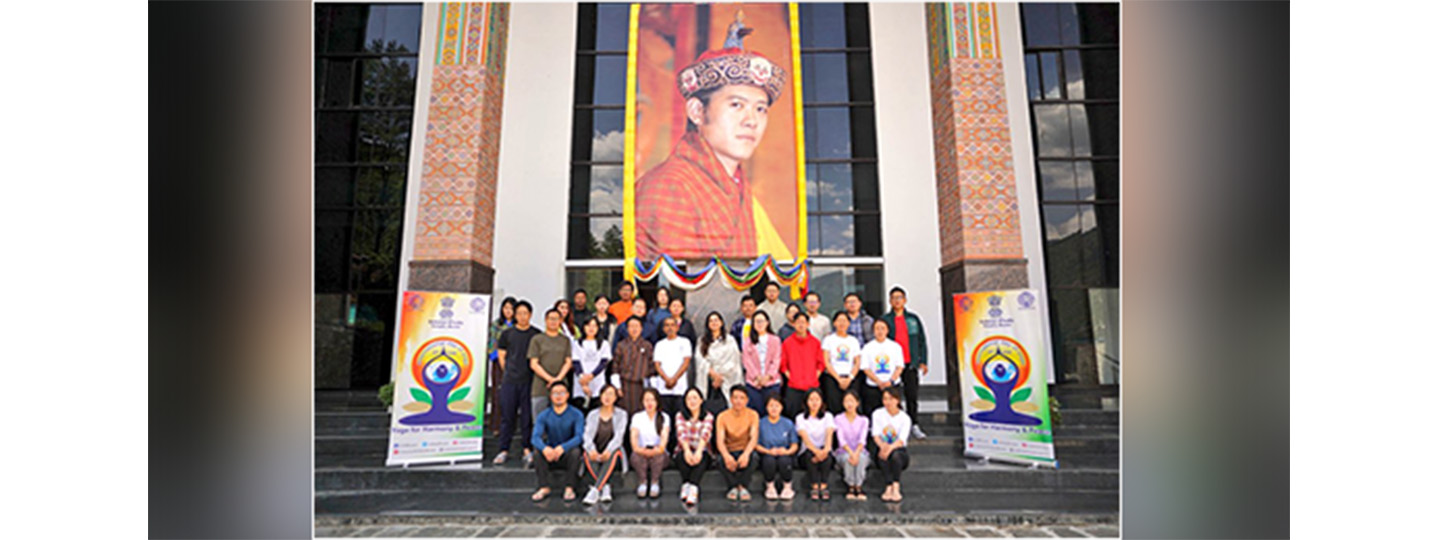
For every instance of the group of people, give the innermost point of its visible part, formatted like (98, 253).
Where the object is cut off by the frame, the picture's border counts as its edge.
(613, 388)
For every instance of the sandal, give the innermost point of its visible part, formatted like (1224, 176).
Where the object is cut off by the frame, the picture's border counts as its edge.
(733, 494)
(824, 494)
(540, 494)
(569, 494)
(814, 494)
(744, 494)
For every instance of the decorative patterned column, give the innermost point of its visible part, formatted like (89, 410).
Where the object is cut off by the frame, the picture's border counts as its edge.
(455, 225)
(980, 242)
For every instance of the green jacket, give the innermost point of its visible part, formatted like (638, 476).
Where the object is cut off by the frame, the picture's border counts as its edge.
(918, 350)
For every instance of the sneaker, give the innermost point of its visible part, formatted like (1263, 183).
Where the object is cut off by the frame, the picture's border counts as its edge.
(529, 459)
(770, 491)
(501, 457)
(642, 491)
(605, 494)
(915, 432)
(592, 497)
(787, 493)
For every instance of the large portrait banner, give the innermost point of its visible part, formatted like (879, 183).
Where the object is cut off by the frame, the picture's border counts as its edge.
(1002, 361)
(439, 379)
(714, 142)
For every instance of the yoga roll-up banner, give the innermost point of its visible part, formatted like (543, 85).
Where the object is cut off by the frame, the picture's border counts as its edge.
(1002, 359)
(439, 405)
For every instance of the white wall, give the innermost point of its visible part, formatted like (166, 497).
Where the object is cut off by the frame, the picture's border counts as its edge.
(908, 209)
(534, 177)
(1023, 150)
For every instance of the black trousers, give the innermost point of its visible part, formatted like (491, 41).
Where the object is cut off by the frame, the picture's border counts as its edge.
(910, 381)
(817, 473)
(830, 388)
(514, 404)
(568, 465)
(740, 477)
(899, 460)
(794, 401)
(691, 473)
(869, 398)
(782, 466)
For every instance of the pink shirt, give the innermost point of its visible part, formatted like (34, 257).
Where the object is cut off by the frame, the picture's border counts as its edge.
(850, 434)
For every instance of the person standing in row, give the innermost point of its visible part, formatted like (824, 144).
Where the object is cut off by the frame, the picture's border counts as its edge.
(580, 306)
(741, 328)
(788, 329)
(515, 386)
(550, 359)
(910, 334)
(891, 428)
(605, 429)
(649, 431)
(737, 432)
(567, 319)
(882, 361)
(815, 428)
(861, 323)
(760, 353)
(851, 428)
(559, 432)
(620, 308)
(777, 448)
(694, 426)
(607, 321)
(672, 365)
(801, 361)
(677, 311)
(842, 363)
(633, 364)
(718, 360)
(638, 310)
(819, 323)
(592, 353)
(772, 305)
(660, 309)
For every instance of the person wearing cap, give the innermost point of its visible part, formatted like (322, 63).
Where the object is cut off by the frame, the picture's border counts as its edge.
(698, 203)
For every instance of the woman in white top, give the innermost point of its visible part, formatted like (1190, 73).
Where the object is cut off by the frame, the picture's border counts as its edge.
(592, 356)
(718, 360)
(890, 427)
(882, 360)
(842, 363)
(816, 427)
(649, 431)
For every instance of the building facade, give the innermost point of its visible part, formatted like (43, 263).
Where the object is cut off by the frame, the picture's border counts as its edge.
(949, 147)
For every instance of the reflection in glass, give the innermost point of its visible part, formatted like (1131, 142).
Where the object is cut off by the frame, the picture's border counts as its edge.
(339, 83)
(1069, 24)
(836, 188)
(812, 186)
(1050, 75)
(333, 186)
(1074, 76)
(612, 27)
(608, 141)
(827, 75)
(394, 24)
(831, 132)
(380, 186)
(837, 235)
(610, 80)
(1079, 130)
(388, 82)
(822, 25)
(606, 239)
(606, 189)
(1057, 181)
(1032, 75)
(384, 137)
(375, 249)
(1052, 127)
(1105, 326)
(1041, 25)
(332, 233)
(1071, 331)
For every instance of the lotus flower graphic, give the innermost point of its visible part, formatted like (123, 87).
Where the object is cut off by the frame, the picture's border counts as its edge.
(1002, 365)
(441, 365)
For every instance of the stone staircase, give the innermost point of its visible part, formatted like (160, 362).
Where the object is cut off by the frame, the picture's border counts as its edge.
(352, 484)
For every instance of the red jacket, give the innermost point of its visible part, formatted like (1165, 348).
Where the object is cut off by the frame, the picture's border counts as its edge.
(802, 361)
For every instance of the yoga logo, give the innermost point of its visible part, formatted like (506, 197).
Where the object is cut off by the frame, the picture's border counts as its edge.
(441, 365)
(1002, 365)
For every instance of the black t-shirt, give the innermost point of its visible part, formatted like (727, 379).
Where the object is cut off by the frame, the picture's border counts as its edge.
(516, 344)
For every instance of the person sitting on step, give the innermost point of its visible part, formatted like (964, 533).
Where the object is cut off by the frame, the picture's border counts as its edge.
(559, 430)
(778, 444)
(604, 438)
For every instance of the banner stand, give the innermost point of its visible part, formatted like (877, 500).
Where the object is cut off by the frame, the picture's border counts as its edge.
(986, 459)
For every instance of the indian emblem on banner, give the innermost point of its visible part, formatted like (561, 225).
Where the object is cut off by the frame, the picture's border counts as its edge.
(1026, 300)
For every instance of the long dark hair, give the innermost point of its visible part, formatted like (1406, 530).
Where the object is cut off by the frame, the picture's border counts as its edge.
(502, 321)
(569, 320)
(769, 326)
(807, 412)
(659, 412)
(685, 408)
(599, 332)
(708, 339)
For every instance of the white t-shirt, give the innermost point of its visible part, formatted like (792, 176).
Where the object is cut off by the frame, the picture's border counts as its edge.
(890, 428)
(883, 359)
(814, 428)
(645, 427)
(670, 354)
(820, 326)
(587, 356)
(841, 353)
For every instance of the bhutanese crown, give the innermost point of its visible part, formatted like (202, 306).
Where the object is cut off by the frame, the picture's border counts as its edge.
(732, 65)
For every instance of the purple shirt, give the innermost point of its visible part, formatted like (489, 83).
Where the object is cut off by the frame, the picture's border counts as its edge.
(850, 434)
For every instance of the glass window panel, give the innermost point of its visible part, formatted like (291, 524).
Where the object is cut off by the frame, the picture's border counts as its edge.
(610, 80)
(388, 82)
(812, 230)
(867, 235)
(1032, 75)
(1074, 76)
(606, 189)
(393, 28)
(1079, 130)
(1050, 75)
(832, 84)
(1057, 181)
(580, 189)
(374, 337)
(1042, 26)
(834, 282)
(335, 137)
(830, 132)
(1063, 259)
(837, 235)
(860, 77)
(822, 25)
(1105, 327)
(1052, 130)
(612, 27)
(1107, 179)
(1099, 23)
(607, 135)
(384, 136)
(333, 186)
(1108, 216)
(812, 187)
(344, 28)
(596, 238)
(339, 82)
(595, 281)
(1071, 330)
(1102, 73)
(857, 24)
(1084, 181)
(380, 186)
(837, 188)
(867, 186)
(1069, 24)
(1092, 247)
(584, 79)
(862, 132)
(870, 285)
(1104, 129)
(807, 70)
(332, 233)
(375, 249)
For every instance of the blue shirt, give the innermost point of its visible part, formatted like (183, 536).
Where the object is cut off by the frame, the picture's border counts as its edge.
(566, 430)
(777, 434)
